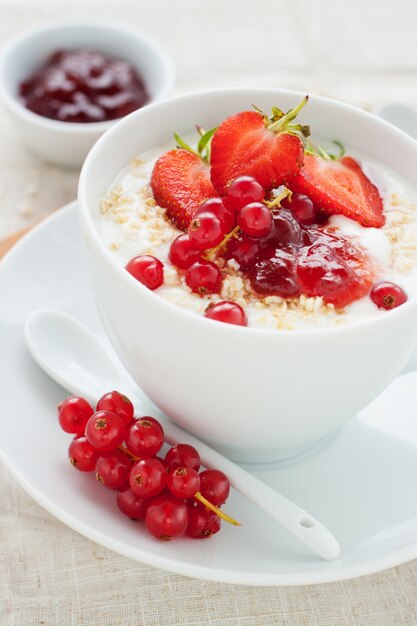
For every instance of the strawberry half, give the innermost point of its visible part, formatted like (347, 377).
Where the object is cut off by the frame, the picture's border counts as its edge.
(340, 186)
(181, 181)
(251, 144)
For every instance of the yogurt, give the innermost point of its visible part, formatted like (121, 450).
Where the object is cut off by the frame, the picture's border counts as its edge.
(131, 223)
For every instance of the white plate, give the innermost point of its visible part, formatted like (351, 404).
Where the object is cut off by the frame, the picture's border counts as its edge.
(361, 485)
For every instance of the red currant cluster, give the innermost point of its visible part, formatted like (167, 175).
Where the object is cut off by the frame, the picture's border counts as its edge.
(168, 492)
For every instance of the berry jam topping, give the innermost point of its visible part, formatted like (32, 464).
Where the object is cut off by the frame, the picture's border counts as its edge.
(84, 86)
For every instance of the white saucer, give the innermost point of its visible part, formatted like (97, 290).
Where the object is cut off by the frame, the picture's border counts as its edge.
(361, 485)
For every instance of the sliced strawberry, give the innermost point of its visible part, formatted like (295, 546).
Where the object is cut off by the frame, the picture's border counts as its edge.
(251, 144)
(340, 186)
(180, 183)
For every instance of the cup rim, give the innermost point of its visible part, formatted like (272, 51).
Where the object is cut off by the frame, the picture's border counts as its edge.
(86, 215)
(167, 70)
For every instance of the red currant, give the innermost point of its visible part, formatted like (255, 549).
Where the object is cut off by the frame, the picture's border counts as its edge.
(243, 250)
(113, 469)
(73, 415)
(242, 191)
(148, 478)
(82, 455)
(216, 207)
(147, 269)
(204, 277)
(228, 312)
(183, 482)
(182, 455)
(388, 295)
(214, 486)
(303, 208)
(167, 517)
(182, 253)
(202, 523)
(275, 273)
(255, 220)
(131, 505)
(105, 431)
(206, 230)
(118, 403)
(144, 438)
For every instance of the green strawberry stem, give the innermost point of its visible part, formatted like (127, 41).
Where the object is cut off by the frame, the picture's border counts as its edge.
(283, 123)
(319, 152)
(203, 146)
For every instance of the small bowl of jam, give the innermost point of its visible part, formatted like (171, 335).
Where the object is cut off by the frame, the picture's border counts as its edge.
(66, 83)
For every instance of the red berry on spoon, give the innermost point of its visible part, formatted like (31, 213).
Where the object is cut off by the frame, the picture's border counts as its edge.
(202, 523)
(118, 403)
(215, 486)
(227, 312)
(182, 455)
(148, 478)
(73, 415)
(113, 469)
(105, 431)
(388, 295)
(82, 455)
(131, 505)
(144, 438)
(167, 517)
(147, 269)
(183, 482)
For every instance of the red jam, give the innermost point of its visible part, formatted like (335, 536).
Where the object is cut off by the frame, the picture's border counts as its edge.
(84, 86)
(297, 259)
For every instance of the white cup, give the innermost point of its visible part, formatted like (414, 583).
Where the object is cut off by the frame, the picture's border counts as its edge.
(255, 395)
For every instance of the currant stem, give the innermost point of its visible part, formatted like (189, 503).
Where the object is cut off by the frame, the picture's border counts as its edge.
(211, 254)
(129, 454)
(276, 202)
(216, 510)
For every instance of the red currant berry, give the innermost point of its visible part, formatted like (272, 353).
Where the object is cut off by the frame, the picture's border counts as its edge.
(388, 295)
(202, 523)
(243, 250)
(214, 486)
(182, 253)
(183, 482)
(227, 312)
(105, 431)
(144, 438)
(167, 517)
(303, 208)
(182, 455)
(242, 191)
(147, 269)
(204, 277)
(206, 230)
(82, 455)
(118, 403)
(113, 469)
(73, 415)
(216, 207)
(131, 505)
(255, 220)
(148, 478)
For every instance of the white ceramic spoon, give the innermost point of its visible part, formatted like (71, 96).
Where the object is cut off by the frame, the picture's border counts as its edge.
(71, 355)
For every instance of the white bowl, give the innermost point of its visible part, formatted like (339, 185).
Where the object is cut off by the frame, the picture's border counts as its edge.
(68, 143)
(255, 395)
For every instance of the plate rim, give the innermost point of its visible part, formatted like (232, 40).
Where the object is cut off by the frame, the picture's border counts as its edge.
(173, 565)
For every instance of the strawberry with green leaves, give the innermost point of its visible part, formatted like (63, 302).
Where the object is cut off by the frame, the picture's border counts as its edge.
(180, 180)
(338, 185)
(270, 149)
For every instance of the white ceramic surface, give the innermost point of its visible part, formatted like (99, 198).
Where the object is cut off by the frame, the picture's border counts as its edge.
(72, 356)
(361, 485)
(67, 143)
(255, 395)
